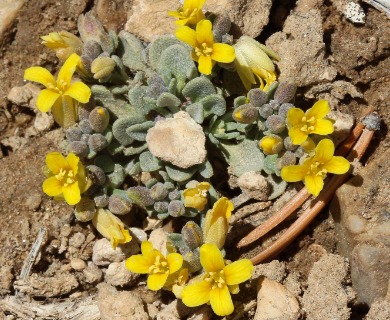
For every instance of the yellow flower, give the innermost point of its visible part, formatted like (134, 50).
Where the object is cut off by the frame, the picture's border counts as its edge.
(271, 144)
(301, 124)
(152, 262)
(196, 197)
(177, 281)
(190, 14)
(314, 170)
(252, 59)
(60, 95)
(217, 282)
(67, 178)
(63, 43)
(216, 223)
(111, 227)
(206, 52)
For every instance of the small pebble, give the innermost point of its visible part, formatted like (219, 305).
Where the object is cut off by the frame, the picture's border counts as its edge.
(77, 264)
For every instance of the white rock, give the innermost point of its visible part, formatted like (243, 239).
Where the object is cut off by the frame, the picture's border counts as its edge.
(255, 185)
(9, 10)
(77, 264)
(274, 270)
(103, 253)
(354, 12)
(274, 301)
(92, 273)
(118, 275)
(343, 124)
(120, 305)
(77, 240)
(159, 238)
(178, 140)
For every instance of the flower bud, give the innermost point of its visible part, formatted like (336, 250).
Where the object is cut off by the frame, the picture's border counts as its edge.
(195, 196)
(140, 195)
(275, 124)
(192, 235)
(158, 191)
(216, 223)
(176, 208)
(257, 97)
(97, 142)
(85, 126)
(174, 195)
(111, 227)
(288, 145)
(73, 134)
(99, 119)
(285, 91)
(271, 144)
(63, 43)
(287, 159)
(118, 205)
(97, 175)
(101, 201)
(102, 67)
(266, 110)
(79, 148)
(245, 113)
(92, 49)
(161, 206)
(193, 261)
(85, 210)
(283, 109)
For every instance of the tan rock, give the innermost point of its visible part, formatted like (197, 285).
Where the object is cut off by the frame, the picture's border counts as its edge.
(92, 273)
(9, 10)
(148, 19)
(178, 140)
(103, 253)
(77, 264)
(274, 301)
(255, 185)
(118, 275)
(274, 270)
(159, 238)
(120, 305)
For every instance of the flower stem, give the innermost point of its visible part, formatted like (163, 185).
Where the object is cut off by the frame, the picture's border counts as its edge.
(317, 205)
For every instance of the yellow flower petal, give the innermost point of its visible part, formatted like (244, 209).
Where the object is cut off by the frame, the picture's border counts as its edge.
(203, 186)
(72, 193)
(175, 261)
(79, 91)
(323, 127)
(211, 258)
(196, 294)
(297, 135)
(314, 184)
(52, 186)
(156, 281)
(46, 99)
(205, 64)
(40, 75)
(238, 271)
(244, 71)
(187, 35)
(84, 182)
(73, 162)
(55, 161)
(193, 4)
(216, 233)
(337, 165)
(66, 72)
(234, 289)
(146, 247)
(138, 264)
(319, 110)
(204, 33)
(223, 53)
(221, 301)
(294, 117)
(324, 151)
(293, 173)
(196, 202)
(175, 14)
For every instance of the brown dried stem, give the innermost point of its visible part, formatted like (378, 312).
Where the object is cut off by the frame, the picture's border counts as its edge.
(302, 195)
(318, 204)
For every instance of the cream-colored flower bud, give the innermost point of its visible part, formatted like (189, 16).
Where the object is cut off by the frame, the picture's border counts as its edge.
(63, 43)
(111, 227)
(102, 67)
(216, 223)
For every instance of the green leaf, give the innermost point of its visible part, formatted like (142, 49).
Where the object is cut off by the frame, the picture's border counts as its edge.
(178, 174)
(149, 162)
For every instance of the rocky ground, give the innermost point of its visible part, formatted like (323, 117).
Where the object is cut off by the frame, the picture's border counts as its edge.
(338, 269)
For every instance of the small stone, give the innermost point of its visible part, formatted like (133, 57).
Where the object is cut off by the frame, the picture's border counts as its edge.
(34, 201)
(66, 230)
(103, 253)
(159, 238)
(178, 140)
(118, 275)
(274, 270)
(77, 240)
(92, 273)
(77, 264)
(43, 121)
(139, 234)
(343, 124)
(274, 301)
(327, 296)
(8, 13)
(120, 305)
(354, 12)
(255, 185)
